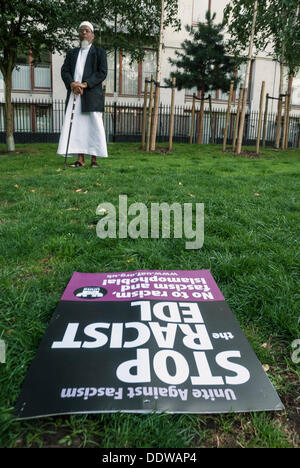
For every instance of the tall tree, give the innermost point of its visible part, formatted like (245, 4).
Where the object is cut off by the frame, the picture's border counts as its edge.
(138, 24)
(204, 62)
(26, 25)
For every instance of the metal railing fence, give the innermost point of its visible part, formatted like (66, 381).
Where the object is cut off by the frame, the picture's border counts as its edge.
(41, 121)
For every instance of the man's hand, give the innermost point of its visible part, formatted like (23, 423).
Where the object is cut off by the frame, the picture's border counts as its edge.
(77, 87)
(74, 85)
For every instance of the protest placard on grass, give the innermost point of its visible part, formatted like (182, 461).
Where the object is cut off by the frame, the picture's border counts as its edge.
(144, 341)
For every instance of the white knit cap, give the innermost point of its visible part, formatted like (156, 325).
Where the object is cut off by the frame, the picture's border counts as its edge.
(87, 23)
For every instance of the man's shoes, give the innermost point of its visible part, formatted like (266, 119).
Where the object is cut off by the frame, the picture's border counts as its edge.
(80, 164)
(77, 164)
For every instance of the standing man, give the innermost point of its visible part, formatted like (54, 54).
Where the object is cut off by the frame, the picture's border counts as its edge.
(83, 71)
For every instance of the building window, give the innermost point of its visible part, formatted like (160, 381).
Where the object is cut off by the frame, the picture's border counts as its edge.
(42, 71)
(21, 75)
(30, 74)
(130, 77)
(295, 100)
(2, 124)
(148, 66)
(109, 82)
(1, 81)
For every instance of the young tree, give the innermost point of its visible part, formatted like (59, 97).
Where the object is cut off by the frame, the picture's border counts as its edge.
(26, 25)
(204, 62)
(247, 77)
(158, 75)
(277, 25)
(282, 32)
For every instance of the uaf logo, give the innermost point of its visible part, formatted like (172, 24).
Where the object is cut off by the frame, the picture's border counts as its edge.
(90, 292)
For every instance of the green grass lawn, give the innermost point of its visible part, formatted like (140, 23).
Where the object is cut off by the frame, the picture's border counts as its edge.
(48, 230)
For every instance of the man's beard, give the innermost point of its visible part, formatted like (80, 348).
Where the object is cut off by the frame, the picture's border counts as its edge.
(84, 43)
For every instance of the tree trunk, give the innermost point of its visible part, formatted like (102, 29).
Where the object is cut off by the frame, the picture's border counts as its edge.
(200, 118)
(261, 102)
(288, 112)
(144, 114)
(227, 116)
(193, 120)
(279, 106)
(285, 138)
(212, 132)
(9, 128)
(150, 114)
(171, 131)
(243, 112)
(237, 118)
(158, 75)
(265, 121)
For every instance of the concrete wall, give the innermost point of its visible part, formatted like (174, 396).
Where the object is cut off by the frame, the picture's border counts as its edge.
(59, 90)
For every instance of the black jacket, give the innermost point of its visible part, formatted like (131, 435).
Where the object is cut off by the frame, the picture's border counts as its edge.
(95, 71)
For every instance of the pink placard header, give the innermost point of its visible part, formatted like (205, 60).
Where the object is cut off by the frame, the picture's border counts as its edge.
(169, 285)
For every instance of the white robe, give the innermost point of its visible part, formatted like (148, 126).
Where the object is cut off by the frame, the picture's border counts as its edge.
(87, 133)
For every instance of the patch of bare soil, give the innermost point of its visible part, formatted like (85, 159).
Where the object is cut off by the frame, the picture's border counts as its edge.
(246, 153)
